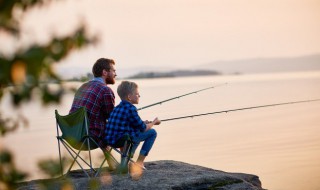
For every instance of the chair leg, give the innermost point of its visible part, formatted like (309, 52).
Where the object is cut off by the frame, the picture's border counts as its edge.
(107, 155)
(125, 157)
(75, 153)
(91, 167)
(75, 160)
(61, 167)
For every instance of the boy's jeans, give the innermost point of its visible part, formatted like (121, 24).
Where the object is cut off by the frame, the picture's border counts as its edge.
(148, 137)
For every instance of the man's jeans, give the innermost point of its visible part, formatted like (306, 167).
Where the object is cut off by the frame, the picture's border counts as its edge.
(148, 137)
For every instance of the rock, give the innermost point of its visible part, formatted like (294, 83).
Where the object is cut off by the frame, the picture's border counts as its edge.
(158, 175)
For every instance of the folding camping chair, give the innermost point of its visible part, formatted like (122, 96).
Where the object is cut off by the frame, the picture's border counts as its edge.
(76, 138)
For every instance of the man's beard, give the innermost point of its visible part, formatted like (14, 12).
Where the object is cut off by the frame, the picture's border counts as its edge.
(110, 80)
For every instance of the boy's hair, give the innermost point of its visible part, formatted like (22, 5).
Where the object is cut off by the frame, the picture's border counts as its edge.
(100, 65)
(126, 88)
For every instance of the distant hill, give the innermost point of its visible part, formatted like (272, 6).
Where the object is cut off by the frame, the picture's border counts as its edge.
(177, 73)
(266, 65)
(243, 66)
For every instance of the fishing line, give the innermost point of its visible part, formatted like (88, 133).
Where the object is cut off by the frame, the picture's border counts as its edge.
(167, 100)
(238, 109)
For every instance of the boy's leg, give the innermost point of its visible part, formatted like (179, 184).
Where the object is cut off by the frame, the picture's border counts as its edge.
(140, 160)
(148, 137)
(134, 148)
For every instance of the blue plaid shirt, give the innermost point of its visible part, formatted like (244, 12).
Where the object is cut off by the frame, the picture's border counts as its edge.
(124, 119)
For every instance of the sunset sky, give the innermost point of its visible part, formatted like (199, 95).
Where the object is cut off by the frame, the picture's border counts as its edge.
(181, 33)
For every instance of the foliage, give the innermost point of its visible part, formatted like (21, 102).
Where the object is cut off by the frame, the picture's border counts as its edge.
(51, 167)
(28, 71)
(9, 21)
(8, 172)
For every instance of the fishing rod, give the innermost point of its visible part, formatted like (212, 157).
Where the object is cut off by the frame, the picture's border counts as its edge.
(239, 109)
(167, 100)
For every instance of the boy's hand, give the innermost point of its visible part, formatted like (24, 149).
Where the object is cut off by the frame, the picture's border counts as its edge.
(156, 121)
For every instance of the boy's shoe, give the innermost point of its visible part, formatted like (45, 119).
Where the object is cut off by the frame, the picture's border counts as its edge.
(136, 171)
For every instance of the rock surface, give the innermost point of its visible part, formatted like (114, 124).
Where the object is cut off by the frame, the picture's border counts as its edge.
(159, 175)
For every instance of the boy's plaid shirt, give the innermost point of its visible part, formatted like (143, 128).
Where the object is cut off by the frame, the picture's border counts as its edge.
(124, 119)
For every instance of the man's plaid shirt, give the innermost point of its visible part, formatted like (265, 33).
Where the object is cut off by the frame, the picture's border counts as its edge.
(124, 119)
(99, 101)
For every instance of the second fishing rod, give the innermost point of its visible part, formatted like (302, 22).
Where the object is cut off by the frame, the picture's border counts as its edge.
(180, 96)
(239, 109)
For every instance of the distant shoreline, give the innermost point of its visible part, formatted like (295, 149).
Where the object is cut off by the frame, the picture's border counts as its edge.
(177, 73)
(225, 67)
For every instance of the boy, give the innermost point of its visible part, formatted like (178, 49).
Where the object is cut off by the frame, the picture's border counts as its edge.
(124, 119)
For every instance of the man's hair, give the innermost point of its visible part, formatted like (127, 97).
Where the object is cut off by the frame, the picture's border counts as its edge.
(100, 65)
(126, 88)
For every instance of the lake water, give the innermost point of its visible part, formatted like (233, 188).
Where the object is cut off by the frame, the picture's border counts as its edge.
(279, 144)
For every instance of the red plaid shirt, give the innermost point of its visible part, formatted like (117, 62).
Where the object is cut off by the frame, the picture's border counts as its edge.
(99, 101)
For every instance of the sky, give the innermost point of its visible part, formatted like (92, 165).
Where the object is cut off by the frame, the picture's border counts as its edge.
(179, 33)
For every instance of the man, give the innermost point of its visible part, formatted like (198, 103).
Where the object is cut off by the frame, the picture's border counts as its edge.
(98, 98)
